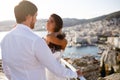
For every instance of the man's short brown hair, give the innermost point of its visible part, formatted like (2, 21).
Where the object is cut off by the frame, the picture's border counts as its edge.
(23, 9)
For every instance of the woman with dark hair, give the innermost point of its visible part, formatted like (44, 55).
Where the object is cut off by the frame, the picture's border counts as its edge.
(55, 40)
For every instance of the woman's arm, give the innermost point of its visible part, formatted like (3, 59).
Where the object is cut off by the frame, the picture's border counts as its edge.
(53, 39)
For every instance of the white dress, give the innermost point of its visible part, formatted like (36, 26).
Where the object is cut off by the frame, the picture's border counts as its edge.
(50, 75)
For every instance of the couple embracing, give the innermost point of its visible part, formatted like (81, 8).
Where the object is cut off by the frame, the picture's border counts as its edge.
(26, 56)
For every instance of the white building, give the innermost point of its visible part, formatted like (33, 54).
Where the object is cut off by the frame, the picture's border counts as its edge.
(115, 41)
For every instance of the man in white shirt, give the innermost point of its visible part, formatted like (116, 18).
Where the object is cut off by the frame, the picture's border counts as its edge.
(25, 55)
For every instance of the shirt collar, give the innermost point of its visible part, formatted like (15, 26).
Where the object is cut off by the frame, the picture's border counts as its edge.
(25, 27)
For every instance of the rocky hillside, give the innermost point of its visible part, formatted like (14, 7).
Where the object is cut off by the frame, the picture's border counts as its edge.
(88, 64)
(115, 76)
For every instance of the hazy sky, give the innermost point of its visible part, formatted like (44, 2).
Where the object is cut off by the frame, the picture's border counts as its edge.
(65, 8)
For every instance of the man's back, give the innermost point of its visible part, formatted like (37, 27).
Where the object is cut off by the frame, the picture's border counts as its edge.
(25, 56)
(18, 54)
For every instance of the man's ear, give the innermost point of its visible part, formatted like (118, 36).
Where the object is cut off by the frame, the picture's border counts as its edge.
(29, 17)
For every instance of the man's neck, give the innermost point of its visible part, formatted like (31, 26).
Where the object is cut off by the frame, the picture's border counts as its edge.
(28, 25)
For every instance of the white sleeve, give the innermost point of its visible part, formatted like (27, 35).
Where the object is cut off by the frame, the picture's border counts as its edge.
(45, 57)
(6, 70)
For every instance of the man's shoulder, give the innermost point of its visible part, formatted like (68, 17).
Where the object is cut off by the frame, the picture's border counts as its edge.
(4, 38)
(33, 36)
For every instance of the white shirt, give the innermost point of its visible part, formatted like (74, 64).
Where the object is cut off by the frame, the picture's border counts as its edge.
(25, 56)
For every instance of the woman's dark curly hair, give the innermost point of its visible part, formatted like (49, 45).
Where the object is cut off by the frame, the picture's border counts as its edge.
(59, 25)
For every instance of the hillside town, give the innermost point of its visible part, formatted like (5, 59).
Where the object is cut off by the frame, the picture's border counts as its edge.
(90, 33)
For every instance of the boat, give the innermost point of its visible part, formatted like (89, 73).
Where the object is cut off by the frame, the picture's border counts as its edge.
(100, 51)
(78, 45)
(69, 45)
